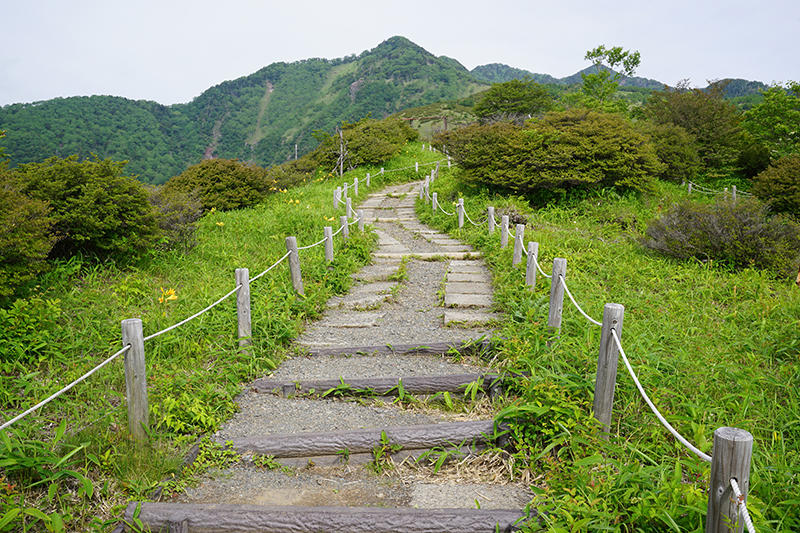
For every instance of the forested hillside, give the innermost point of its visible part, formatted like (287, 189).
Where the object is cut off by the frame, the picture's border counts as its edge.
(257, 118)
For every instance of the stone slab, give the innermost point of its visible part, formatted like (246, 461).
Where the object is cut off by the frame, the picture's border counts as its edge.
(352, 320)
(466, 287)
(469, 277)
(468, 317)
(467, 300)
(429, 255)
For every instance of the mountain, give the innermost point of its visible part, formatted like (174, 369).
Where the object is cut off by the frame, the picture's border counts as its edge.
(256, 118)
(498, 73)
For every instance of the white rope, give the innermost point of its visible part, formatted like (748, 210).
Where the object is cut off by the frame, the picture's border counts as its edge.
(443, 210)
(578, 307)
(65, 389)
(276, 263)
(743, 505)
(354, 221)
(539, 268)
(472, 221)
(663, 420)
(312, 245)
(338, 231)
(342, 201)
(185, 320)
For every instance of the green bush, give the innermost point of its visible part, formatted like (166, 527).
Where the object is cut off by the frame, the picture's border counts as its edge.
(26, 238)
(222, 184)
(675, 148)
(178, 213)
(779, 185)
(564, 150)
(514, 100)
(738, 234)
(95, 209)
(368, 142)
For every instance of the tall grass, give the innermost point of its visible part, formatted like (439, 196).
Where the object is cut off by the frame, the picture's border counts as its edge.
(72, 322)
(712, 347)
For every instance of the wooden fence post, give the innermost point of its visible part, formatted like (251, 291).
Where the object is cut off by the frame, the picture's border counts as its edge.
(337, 195)
(530, 266)
(690, 188)
(490, 218)
(344, 190)
(434, 202)
(460, 210)
(606, 378)
(367, 179)
(557, 293)
(361, 220)
(518, 236)
(328, 232)
(503, 231)
(135, 379)
(448, 161)
(294, 265)
(355, 186)
(416, 167)
(730, 459)
(734, 193)
(348, 206)
(381, 171)
(243, 306)
(345, 228)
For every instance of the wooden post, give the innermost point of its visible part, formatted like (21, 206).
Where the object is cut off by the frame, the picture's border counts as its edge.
(355, 186)
(690, 188)
(460, 212)
(294, 265)
(328, 232)
(361, 220)
(436, 171)
(348, 206)
(530, 266)
(423, 146)
(734, 193)
(448, 161)
(344, 190)
(504, 231)
(367, 179)
(135, 379)
(606, 378)
(416, 167)
(381, 170)
(730, 458)
(518, 236)
(434, 202)
(337, 195)
(557, 293)
(243, 306)
(345, 228)
(295, 151)
(490, 218)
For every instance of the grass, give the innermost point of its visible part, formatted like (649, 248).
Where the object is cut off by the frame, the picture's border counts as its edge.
(72, 322)
(713, 347)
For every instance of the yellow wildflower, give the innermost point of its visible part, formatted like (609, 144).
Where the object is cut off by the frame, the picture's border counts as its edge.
(220, 224)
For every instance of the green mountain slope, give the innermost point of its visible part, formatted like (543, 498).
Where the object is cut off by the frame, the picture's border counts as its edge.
(498, 73)
(256, 118)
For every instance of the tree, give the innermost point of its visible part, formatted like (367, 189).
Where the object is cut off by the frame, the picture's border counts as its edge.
(775, 122)
(779, 185)
(515, 100)
(713, 122)
(610, 64)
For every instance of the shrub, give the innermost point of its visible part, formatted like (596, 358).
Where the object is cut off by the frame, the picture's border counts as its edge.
(564, 150)
(675, 148)
(738, 234)
(779, 185)
(95, 209)
(26, 238)
(222, 184)
(368, 142)
(177, 213)
(514, 100)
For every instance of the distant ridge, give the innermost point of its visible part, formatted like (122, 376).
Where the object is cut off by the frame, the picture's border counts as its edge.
(498, 73)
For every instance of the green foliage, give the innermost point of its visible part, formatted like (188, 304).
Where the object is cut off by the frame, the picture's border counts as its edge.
(222, 184)
(779, 185)
(713, 122)
(775, 121)
(675, 148)
(368, 142)
(95, 209)
(514, 100)
(562, 151)
(178, 213)
(602, 84)
(26, 238)
(740, 234)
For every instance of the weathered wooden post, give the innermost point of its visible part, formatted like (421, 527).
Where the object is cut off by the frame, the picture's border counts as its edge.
(344, 190)
(337, 196)
(361, 220)
(243, 306)
(448, 161)
(530, 266)
(348, 206)
(490, 218)
(423, 146)
(504, 231)
(355, 186)
(557, 293)
(460, 210)
(328, 232)
(294, 265)
(733, 197)
(367, 179)
(690, 188)
(381, 170)
(730, 459)
(345, 228)
(436, 171)
(416, 167)
(606, 378)
(518, 236)
(135, 379)
(434, 202)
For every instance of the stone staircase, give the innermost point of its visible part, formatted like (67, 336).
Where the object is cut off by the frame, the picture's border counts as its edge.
(321, 439)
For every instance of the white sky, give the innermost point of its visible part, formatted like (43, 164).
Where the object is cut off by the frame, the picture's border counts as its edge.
(171, 51)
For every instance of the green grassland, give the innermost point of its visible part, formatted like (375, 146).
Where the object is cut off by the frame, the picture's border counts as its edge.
(712, 348)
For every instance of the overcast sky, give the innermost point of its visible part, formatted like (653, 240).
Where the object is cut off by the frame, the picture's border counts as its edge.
(171, 51)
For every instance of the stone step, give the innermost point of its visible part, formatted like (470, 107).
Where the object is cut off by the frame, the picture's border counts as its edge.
(467, 300)
(460, 287)
(221, 518)
(362, 319)
(468, 317)
(428, 255)
(466, 347)
(376, 272)
(469, 277)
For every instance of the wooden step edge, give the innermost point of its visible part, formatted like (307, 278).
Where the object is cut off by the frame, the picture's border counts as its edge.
(308, 444)
(464, 348)
(207, 518)
(377, 386)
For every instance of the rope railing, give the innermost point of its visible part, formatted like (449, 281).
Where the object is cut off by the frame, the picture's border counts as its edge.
(578, 307)
(312, 245)
(740, 500)
(185, 320)
(276, 263)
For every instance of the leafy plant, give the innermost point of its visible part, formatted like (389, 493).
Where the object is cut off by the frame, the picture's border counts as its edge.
(381, 454)
(779, 185)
